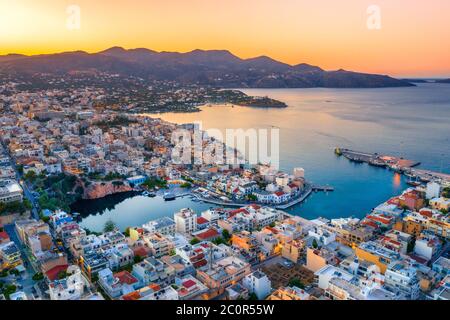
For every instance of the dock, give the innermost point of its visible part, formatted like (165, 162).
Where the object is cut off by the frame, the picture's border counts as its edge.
(375, 159)
(322, 188)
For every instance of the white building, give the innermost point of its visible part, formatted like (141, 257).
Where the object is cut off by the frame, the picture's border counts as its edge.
(328, 272)
(433, 190)
(185, 221)
(258, 283)
(70, 288)
(164, 226)
(10, 191)
(401, 276)
(427, 246)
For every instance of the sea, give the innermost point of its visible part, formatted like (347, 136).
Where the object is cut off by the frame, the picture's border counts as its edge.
(409, 122)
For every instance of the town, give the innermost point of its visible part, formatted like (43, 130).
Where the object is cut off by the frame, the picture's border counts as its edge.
(59, 146)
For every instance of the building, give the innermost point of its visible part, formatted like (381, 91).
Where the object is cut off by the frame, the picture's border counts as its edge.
(427, 246)
(10, 255)
(136, 180)
(118, 284)
(293, 250)
(164, 226)
(190, 288)
(10, 191)
(223, 273)
(258, 283)
(152, 270)
(289, 293)
(70, 288)
(93, 261)
(377, 254)
(318, 258)
(402, 276)
(185, 221)
(440, 204)
(433, 190)
(328, 272)
(153, 292)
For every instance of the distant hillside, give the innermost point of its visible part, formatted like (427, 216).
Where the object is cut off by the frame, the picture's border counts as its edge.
(213, 67)
(443, 80)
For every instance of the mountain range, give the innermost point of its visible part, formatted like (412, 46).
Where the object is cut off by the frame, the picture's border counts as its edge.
(218, 68)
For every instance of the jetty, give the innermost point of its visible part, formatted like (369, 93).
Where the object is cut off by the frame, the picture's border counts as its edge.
(378, 160)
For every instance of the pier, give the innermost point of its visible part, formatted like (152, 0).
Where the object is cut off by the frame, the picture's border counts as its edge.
(376, 159)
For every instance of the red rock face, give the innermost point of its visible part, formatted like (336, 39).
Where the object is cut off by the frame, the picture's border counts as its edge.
(100, 190)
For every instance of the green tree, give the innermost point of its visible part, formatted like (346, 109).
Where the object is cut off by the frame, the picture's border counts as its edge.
(30, 176)
(315, 244)
(38, 276)
(194, 241)
(109, 226)
(9, 290)
(253, 297)
(226, 234)
(295, 282)
(137, 259)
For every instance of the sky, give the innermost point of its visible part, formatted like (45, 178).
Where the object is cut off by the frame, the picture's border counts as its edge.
(408, 38)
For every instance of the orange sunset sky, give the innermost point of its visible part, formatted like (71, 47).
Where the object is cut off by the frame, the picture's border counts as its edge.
(414, 39)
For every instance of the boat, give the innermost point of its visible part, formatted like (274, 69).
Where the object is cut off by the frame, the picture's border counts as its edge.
(169, 196)
(377, 163)
(145, 193)
(413, 183)
(151, 194)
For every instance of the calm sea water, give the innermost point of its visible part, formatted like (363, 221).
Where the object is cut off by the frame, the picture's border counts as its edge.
(413, 122)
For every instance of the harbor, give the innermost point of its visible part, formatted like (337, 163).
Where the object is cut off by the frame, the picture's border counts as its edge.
(400, 165)
(378, 160)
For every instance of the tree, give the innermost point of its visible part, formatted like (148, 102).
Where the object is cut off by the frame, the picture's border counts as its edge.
(253, 296)
(62, 275)
(137, 259)
(109, 226)
(38, 276)
(9, 290)
(30, 176)
(226, 234)
(194, 241)
(295, 282)
(315, 244)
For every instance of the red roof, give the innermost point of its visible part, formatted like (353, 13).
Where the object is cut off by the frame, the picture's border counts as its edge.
(208, 234)
(52, 274)
(200, 263)
(4, 235)
(235, 212)
(132, 296)
(140, 251)
(189, 283)
(125, 277)
(279, 193)
(202, 220)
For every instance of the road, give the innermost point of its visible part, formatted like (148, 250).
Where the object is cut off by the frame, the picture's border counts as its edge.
(26, 189)
(25, 279)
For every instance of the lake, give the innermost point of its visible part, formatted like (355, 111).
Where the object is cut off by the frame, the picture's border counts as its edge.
(412, 122)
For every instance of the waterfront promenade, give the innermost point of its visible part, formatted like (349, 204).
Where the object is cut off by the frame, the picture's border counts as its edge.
(302, 197)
